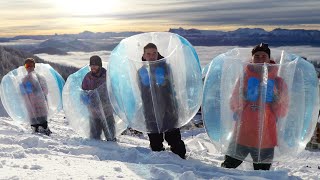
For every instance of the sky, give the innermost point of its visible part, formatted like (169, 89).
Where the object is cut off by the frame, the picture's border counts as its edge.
(33, 17)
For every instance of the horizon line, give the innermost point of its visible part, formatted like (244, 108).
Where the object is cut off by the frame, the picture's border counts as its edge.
(190, 28)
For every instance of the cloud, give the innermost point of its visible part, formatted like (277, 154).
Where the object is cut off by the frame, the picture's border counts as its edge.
(231, 12)
(76, 59)
(46, 16)
(24, 4)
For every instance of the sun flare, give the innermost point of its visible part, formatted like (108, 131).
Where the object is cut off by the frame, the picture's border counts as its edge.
(88, 7)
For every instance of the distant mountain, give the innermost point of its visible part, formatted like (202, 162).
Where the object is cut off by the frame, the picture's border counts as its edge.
(49, 50)
(89, 41)
(68, 44)
(82, 35)
(60, 44)
(11, 58)
(249, 37)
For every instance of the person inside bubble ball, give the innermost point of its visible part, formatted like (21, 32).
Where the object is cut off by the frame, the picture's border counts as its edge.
(255, 131)
(159, 103)
(101, 117)
(35, 90)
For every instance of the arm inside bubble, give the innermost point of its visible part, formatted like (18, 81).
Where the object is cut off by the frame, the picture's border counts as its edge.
(85, 83)
(26, 87)
(22, 89)
(281, 103)
(43, 84)
(85, 97)
(171, 86)
(235, 104)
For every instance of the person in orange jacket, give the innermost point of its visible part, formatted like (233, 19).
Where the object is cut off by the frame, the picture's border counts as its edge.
(255, 131)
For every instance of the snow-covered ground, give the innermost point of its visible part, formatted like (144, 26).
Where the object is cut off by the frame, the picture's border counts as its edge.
(66, 155)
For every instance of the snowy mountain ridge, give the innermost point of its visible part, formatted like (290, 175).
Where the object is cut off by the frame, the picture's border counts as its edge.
(95, 41)
(250, 37)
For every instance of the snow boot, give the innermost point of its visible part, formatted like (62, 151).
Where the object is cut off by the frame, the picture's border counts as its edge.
(177, 146)
(156, 140)
(45, 131)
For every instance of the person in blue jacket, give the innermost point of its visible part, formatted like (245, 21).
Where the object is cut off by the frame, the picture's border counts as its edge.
(159, 104)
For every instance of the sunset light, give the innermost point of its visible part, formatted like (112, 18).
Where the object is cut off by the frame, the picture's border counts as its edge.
(45, 17)
(87, 8)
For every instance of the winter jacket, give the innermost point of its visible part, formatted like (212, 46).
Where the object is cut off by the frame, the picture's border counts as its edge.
(35, 90)
(92, 81)
(251, 129)
(159, 104)
(96, 93)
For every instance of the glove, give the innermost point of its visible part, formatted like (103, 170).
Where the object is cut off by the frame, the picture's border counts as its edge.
(85, 98)
(26, 88)
(29, 87)
(144, 77)
(235, 116)
(252, 93)
(270, 92)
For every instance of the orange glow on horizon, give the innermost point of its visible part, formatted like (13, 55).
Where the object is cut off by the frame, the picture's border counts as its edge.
(142, 28)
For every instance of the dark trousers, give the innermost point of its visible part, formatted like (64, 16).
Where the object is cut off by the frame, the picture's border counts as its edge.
(241, 152)
(107, 126)
(173, 137)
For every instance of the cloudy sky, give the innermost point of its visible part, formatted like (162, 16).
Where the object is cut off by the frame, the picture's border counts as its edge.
(73, 16)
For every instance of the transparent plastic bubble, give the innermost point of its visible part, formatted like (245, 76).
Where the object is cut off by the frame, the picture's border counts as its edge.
(257, 109)
(159, 95)
(28, 96)
(205, 71)
(85, 107)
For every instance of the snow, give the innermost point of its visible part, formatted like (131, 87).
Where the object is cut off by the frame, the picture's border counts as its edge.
(66, 155)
